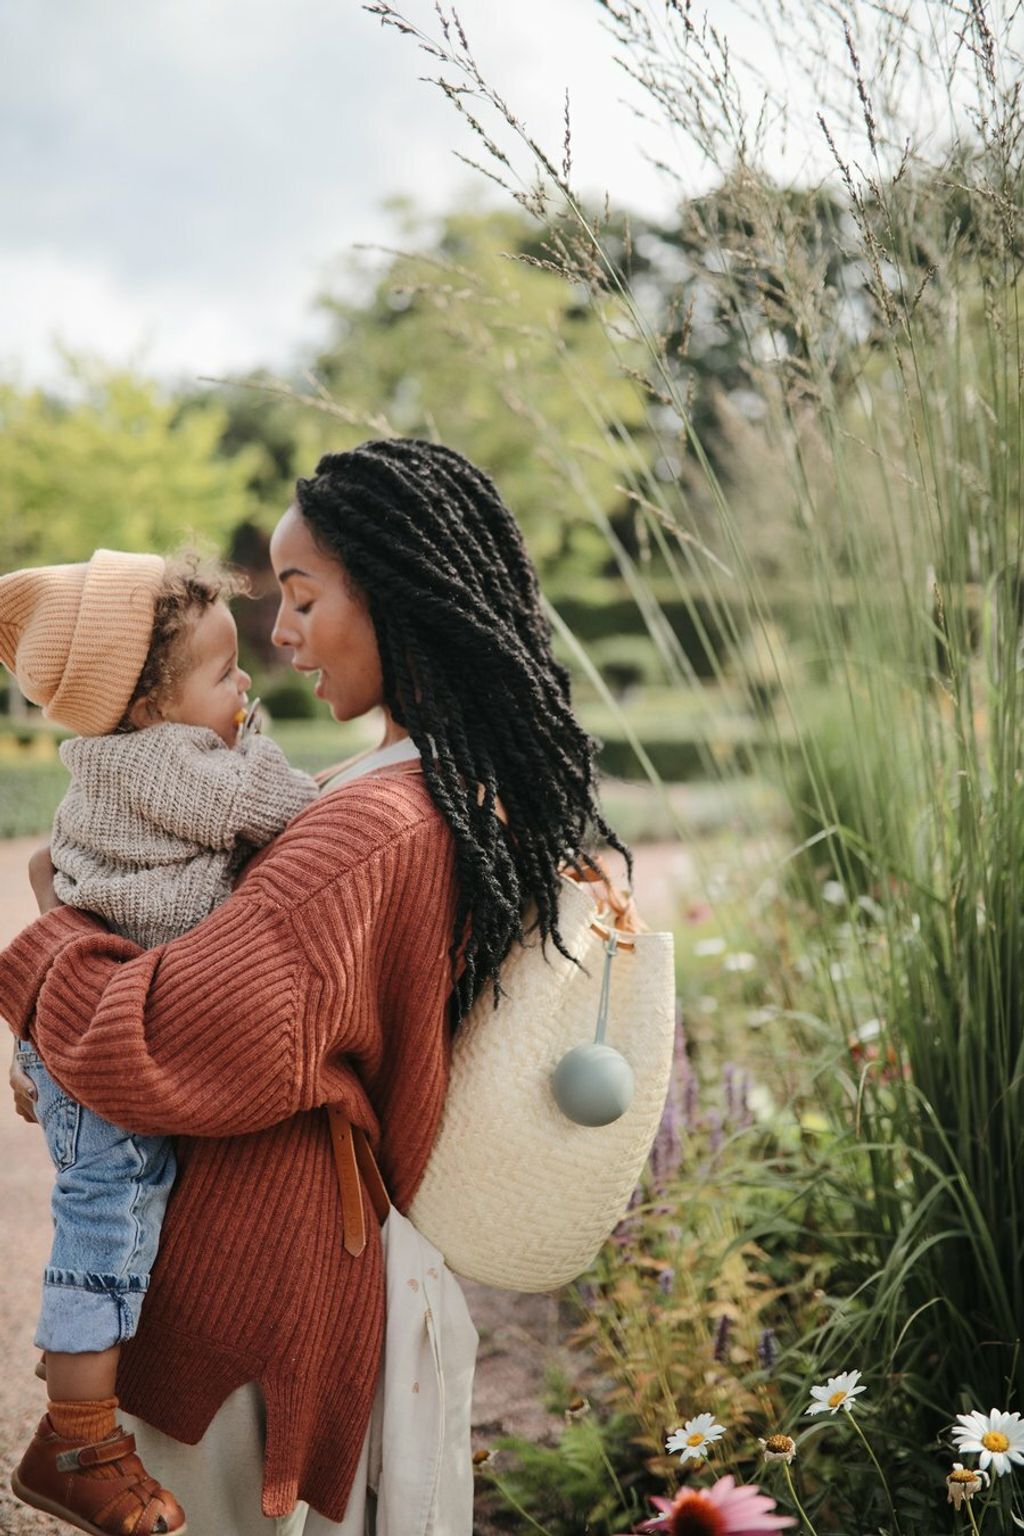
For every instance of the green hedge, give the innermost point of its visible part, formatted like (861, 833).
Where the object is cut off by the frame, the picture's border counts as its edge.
(621, 616)
(686, 741)
(29, 795)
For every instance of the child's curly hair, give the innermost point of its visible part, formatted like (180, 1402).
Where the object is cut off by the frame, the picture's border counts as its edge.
(191, 584)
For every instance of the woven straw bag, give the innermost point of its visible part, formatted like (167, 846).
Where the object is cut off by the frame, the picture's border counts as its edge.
(515, 1194)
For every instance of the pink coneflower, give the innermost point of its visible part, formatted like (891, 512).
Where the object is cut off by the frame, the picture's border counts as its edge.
(724, 1509)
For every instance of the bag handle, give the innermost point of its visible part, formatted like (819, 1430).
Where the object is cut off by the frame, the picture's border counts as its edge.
(616, 909)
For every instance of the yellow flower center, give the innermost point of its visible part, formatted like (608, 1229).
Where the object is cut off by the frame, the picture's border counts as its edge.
(695, 1439)
(836, 1399)
(965, 1475)
(992, 1440)
(779, 1444)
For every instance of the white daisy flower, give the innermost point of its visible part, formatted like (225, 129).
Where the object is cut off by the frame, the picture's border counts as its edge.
(997, 1438)
(963, 1483)
(837, 1393)
(696, 1435)
(740, 960)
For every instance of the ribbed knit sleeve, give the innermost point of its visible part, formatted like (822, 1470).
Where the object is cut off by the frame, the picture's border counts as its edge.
(25, 962)
(322, 979)
(200, 1037)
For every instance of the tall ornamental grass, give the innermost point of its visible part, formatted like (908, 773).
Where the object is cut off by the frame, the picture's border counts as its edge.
(851, 513)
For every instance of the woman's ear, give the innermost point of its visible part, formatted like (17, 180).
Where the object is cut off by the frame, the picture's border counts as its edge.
(144, 712)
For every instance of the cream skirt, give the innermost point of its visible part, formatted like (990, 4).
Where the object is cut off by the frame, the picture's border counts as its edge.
(415, 1475)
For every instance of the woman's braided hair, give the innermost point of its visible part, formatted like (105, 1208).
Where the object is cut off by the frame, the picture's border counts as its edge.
(468, 670)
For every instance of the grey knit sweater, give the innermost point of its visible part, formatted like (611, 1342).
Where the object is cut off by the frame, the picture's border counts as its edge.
(157, 823)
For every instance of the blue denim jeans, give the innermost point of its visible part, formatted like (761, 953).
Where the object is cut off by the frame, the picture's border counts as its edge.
(108, 1204)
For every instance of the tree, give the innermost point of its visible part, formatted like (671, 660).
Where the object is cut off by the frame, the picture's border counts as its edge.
(117, 465)
(475, 342)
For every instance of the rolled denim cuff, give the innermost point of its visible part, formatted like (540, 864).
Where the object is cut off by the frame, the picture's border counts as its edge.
(82, 1313)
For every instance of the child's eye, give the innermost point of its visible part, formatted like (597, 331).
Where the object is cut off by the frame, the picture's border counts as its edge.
(303, 607)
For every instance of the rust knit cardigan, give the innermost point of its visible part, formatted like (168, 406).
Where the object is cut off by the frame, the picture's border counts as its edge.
(323, 978)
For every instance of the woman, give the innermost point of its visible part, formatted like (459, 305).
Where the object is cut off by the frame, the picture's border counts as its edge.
(335, 973)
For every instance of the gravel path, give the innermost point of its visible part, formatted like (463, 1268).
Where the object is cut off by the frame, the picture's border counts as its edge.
(519, 1335)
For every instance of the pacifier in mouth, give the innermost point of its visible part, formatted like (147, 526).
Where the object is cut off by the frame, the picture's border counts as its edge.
(249, 721)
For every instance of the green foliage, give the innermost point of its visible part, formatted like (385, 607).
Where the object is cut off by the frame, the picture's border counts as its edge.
(702, 629)
(848, 793)
(685, 1312)
(30, 792)
(316, 744)
(570, 1487)
(471, 342)
(627, 662)
(117, 465)
(289, 700)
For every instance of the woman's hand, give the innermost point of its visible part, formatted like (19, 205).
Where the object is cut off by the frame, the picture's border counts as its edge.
(23, 1089)
(40, 874)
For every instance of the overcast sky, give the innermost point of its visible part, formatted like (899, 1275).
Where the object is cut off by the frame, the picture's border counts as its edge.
(178, 176)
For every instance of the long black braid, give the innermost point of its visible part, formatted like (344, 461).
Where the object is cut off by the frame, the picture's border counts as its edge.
(468, 670)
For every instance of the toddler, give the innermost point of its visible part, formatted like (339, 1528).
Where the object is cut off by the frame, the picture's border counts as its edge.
(172, 789)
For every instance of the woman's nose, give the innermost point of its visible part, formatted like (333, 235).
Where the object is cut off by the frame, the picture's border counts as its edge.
(279, 635)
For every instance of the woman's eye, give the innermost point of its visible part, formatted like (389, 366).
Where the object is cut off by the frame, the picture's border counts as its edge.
(303, 607)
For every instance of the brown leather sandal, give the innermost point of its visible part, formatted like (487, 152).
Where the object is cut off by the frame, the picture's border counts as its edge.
(50, 1478)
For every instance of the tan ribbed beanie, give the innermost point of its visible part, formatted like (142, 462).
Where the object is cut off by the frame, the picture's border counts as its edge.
(76, 636)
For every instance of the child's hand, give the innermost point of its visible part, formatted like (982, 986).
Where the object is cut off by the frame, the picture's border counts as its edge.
(40, 874)
(23, 1090)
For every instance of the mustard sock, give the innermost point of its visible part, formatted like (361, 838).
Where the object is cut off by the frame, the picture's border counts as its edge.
(88, 1421)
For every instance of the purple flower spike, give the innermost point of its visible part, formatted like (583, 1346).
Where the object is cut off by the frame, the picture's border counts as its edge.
(746, 1113)
(690, 1096)
(767, 1349)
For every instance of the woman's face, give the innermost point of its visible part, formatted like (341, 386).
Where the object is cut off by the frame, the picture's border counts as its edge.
(325, 622)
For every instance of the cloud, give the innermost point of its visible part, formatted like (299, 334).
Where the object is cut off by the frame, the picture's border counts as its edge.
(176, 175)
(204, 136)
(175, 329)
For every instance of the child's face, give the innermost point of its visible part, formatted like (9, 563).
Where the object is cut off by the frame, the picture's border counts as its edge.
(212, 691)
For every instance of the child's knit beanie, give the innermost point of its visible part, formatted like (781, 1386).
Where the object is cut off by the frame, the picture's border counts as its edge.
(76, 636)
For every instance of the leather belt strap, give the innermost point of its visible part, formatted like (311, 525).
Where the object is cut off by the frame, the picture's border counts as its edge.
(352, 1157)
(372, 1178)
